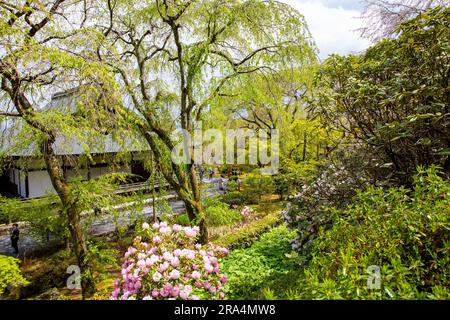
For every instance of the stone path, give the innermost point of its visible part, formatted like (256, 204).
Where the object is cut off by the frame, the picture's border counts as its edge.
(104, 224)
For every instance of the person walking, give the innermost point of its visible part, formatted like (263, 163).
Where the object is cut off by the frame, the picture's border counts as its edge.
(15, 237)
(211, 173)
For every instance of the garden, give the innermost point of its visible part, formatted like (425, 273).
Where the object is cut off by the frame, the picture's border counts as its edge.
(356, 205)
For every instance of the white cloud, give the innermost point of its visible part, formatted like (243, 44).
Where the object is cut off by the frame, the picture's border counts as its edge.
(332, 25)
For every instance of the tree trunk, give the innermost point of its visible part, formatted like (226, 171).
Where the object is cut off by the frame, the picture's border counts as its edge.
(305, 142)
(73, 216)
(194, 210)
(152, 181)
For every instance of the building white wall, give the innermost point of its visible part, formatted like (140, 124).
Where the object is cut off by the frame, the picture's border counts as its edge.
(39, 184)
(22, 184)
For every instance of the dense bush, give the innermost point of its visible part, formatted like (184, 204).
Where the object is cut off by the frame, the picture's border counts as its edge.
(218, 213)
(239, 198)
(257, 185)
(166, 263)
(285, 184)
(404, 232)
(10, 274)
(249, 233)
(251, 270)
(394, 97)
(232, 186)
(334, 186)
(183, 219)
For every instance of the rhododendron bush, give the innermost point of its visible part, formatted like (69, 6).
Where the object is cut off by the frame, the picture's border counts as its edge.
(164, 262)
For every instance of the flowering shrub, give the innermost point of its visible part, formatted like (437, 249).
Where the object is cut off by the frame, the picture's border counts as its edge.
(402, 231)
(246, 212)
(166, 263)
(308, 210)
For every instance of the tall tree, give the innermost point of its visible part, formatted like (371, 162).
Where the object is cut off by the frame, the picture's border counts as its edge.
(44, 49)
(175, 57)
(395, 97)
(383, 17)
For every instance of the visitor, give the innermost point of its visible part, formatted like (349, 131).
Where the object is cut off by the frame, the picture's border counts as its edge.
(15, 237)
(211, 173)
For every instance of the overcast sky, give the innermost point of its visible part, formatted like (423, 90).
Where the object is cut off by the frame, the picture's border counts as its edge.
(333, 24)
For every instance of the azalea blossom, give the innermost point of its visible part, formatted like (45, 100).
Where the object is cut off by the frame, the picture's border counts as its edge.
(166, 263)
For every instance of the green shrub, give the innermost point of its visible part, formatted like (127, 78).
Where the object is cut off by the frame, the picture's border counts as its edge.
(285, 184)
(47, 273)
(10, 273)
(183, 219)
(247, 234)
(262, 265)
(219, 214)
(404, 232)
(239, 198)
(232, 186)
(258, 185)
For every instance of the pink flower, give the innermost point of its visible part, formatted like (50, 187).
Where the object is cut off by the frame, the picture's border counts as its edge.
(163, 267)
(157, 276)
(177, 252)
(165, 230)
(155, 225)
(155, 293)
(141, 263)
(222, 295)
(224, 279)
(145, 226)
(196, 275)
(212, 289)
(174, 274)
(190, 255)
(154, 258)
(195, 298)
(190, 232)
(184, 295)
(209, 268)
(163, 224)
(147, 297)
(175, 291)
(175, 262)
(141, 256)
(187, 288)
(163, 293)
(149, 262)
(176, 227)
(137, 285)
(167, 256)
(157, 239)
